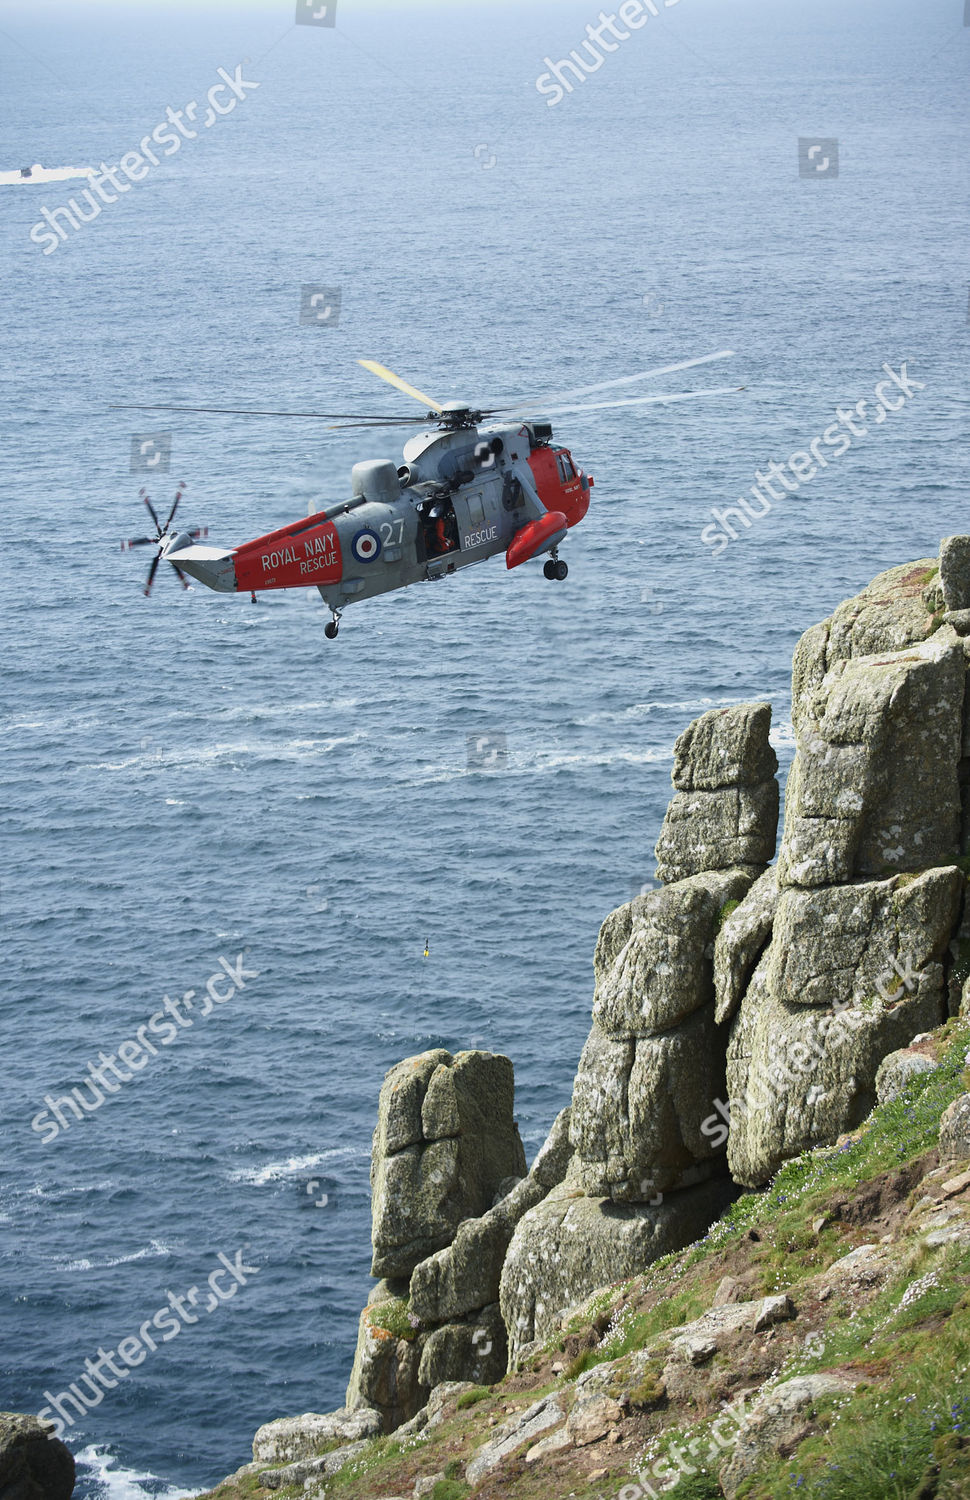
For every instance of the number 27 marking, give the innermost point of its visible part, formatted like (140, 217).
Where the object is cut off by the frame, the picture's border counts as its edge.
(387, 531)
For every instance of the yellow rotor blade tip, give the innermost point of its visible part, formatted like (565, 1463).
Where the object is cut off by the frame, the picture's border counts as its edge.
(383, 373)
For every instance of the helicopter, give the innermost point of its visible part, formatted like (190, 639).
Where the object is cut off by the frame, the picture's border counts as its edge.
(474, 483)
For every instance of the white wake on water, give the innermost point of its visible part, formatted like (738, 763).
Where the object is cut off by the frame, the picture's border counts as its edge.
(278, 1171)
(104, 1478)
(145, 1253)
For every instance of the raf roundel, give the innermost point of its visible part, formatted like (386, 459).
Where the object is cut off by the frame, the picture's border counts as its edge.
(366, 545)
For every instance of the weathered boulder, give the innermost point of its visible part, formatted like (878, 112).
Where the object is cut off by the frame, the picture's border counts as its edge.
(523, 1427)
(740, 942)
(845, 945)
(654, 1057)
(955, 1130)
(437, 1410)
(475, 1350)
(653, 961)
(638, 1107)
(955, 572)
(445, 1140)
(899, 608)
(571, 1244)
(819, 1017)
(305, 1470)
(34, 1465)
(715, 1327)
(899, 1069)
(466, 1275)
(386, 1364)
(725, 747)
(290, 1439)
(593, 1418)
(780, 1419)
(874, 788)
(724, 812)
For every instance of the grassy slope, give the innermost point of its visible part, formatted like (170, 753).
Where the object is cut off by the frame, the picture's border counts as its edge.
(903, 1334)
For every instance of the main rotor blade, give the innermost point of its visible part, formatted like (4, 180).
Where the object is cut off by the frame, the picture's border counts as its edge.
(606, 385)
(239, 411)
(562, 411)
(151, 511)
(175, 505)
(384, 373)
(151, 573)
(375, 426)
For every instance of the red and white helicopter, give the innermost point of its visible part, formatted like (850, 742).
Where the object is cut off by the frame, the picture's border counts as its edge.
(474, 482)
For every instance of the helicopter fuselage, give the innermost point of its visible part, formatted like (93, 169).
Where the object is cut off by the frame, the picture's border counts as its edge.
(461, 496)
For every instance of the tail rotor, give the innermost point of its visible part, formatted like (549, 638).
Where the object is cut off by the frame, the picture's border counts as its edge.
(161, 538)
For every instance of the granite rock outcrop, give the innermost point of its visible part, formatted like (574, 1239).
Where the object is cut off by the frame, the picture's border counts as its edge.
(743, 1013)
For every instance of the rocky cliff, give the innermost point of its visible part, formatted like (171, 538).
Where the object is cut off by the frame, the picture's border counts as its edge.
(746, 1015)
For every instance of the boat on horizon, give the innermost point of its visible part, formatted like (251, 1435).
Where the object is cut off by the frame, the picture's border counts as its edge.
(38, 174)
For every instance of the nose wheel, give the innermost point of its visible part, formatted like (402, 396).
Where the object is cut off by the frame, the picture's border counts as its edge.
(332, 627)
(556, 569)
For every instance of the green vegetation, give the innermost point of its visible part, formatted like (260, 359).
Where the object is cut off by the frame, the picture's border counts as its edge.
(583, 1361)
(886, 1436)
(472, 1398)
(450, 1489)
(393, 1317)
(380, 1454)
(726, 910)
(649, 1390)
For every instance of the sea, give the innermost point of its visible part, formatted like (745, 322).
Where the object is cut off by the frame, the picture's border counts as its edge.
(408, 837)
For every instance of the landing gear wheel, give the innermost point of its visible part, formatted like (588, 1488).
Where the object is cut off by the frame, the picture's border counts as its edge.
(549, 570)
(562, 572)
(330, 630)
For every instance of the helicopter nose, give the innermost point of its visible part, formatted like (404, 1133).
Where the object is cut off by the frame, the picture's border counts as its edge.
(212, 566)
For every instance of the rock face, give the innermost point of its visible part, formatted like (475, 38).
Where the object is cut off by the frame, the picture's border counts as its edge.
(725, 808)
(852, 973)
(293, 1438)
(846, 951)
(466, 1276)
(778, 1422)
(645, 1179)
(875, 786)
(743, 1014)
(740, 1007)
(475, 1349)
(955, 1131)
(653, 1060)
(444, 1142)
(571, 1244)
(899, 1069)
(34, 1465)
(437, 1319)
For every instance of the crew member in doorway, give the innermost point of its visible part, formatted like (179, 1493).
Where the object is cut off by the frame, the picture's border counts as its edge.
(443, 520)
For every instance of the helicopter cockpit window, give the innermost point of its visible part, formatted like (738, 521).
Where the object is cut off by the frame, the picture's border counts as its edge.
(566, 471)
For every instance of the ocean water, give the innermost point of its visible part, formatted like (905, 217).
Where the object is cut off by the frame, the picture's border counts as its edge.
(190, 779)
